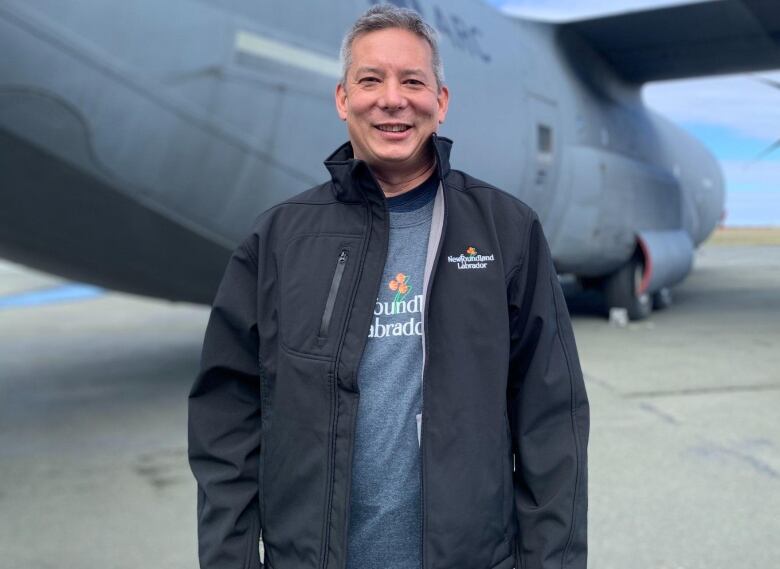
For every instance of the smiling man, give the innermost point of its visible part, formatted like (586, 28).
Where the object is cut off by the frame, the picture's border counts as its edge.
(389, 377)
(393, 99)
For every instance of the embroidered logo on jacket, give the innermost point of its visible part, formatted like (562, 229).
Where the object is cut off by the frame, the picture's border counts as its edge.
(471, 260)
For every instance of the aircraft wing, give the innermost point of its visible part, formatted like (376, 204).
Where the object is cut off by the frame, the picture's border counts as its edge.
(694, 40)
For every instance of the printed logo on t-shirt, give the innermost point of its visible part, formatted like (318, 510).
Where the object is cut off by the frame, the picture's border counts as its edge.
(400, 286)
(471, 260)
(401, 314)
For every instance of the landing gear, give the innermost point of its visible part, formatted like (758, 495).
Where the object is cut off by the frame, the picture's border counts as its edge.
(622, 290)
(662, 299)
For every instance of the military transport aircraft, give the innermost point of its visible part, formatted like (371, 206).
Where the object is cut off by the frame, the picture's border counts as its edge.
(139, 140)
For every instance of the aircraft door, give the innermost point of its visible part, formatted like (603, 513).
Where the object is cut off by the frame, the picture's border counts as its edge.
(543, 158)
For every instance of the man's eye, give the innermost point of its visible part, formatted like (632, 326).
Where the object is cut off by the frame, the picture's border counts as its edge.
(368, 80)
(415, 82)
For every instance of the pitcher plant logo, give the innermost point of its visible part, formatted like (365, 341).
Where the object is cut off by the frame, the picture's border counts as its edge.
(400, 285)
(472, 259)
(401, 315)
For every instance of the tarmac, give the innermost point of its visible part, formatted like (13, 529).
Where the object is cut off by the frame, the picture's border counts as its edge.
(684, 453)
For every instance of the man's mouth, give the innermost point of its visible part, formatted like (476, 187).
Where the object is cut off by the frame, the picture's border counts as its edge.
(393, 127)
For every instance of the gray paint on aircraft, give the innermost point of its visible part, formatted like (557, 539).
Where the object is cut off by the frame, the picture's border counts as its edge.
(184, 119)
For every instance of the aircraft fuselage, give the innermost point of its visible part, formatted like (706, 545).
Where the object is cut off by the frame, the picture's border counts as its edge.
(141, 139)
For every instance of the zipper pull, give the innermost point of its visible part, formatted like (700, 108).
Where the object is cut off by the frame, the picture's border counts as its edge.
(334, 289)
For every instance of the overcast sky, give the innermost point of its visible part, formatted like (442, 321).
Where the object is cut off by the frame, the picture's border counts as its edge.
(736, 117)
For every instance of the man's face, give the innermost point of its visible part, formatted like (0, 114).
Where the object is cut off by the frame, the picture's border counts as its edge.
(390, 100)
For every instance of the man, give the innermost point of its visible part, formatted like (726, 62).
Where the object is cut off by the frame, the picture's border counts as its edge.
(389, 376)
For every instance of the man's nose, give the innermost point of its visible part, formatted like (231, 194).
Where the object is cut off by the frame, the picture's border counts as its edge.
(392, 96)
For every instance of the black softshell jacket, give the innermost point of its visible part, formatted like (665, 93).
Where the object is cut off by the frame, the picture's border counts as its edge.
(505, 415)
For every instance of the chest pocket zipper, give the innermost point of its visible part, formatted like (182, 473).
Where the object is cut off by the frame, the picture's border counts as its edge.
(334, 290)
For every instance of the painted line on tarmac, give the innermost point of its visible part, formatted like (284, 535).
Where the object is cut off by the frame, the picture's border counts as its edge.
(717, 389)
(62, 293)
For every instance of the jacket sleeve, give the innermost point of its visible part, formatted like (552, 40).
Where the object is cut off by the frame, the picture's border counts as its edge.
(548, 414)
(224, 423)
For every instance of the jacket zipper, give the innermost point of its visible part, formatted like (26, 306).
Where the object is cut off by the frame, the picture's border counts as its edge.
(334, 289)
(425, 367)
(334, 397)
(359, 269)
(324, 328)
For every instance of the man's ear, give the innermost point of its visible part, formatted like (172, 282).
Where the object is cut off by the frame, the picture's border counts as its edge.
(341, 101)
(444, 103)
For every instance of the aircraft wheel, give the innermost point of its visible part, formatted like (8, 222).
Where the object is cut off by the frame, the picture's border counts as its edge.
(621, 290)
(662, 299)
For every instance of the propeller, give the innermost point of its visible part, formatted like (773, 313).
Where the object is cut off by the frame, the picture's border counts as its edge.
(775, 145)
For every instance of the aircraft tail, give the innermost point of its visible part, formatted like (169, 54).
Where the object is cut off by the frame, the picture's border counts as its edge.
(693, 40)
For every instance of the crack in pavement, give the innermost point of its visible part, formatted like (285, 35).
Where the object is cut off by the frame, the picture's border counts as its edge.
(701, 391)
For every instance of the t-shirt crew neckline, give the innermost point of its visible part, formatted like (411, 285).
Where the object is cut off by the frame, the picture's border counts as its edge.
(415, 198)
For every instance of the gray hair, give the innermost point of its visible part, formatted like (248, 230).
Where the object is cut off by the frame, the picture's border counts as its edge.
(385, 16)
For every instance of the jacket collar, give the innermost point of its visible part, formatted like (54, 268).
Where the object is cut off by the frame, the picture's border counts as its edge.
(352, 178)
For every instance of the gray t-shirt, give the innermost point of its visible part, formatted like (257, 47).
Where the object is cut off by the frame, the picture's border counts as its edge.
(385, 529)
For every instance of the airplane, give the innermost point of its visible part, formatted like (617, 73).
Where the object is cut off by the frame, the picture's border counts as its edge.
(139, 140)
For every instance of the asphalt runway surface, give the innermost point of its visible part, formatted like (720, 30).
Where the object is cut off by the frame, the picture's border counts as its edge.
(684, 466)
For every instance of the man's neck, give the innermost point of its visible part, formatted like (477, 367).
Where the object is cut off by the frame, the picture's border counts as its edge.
(395, 183)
